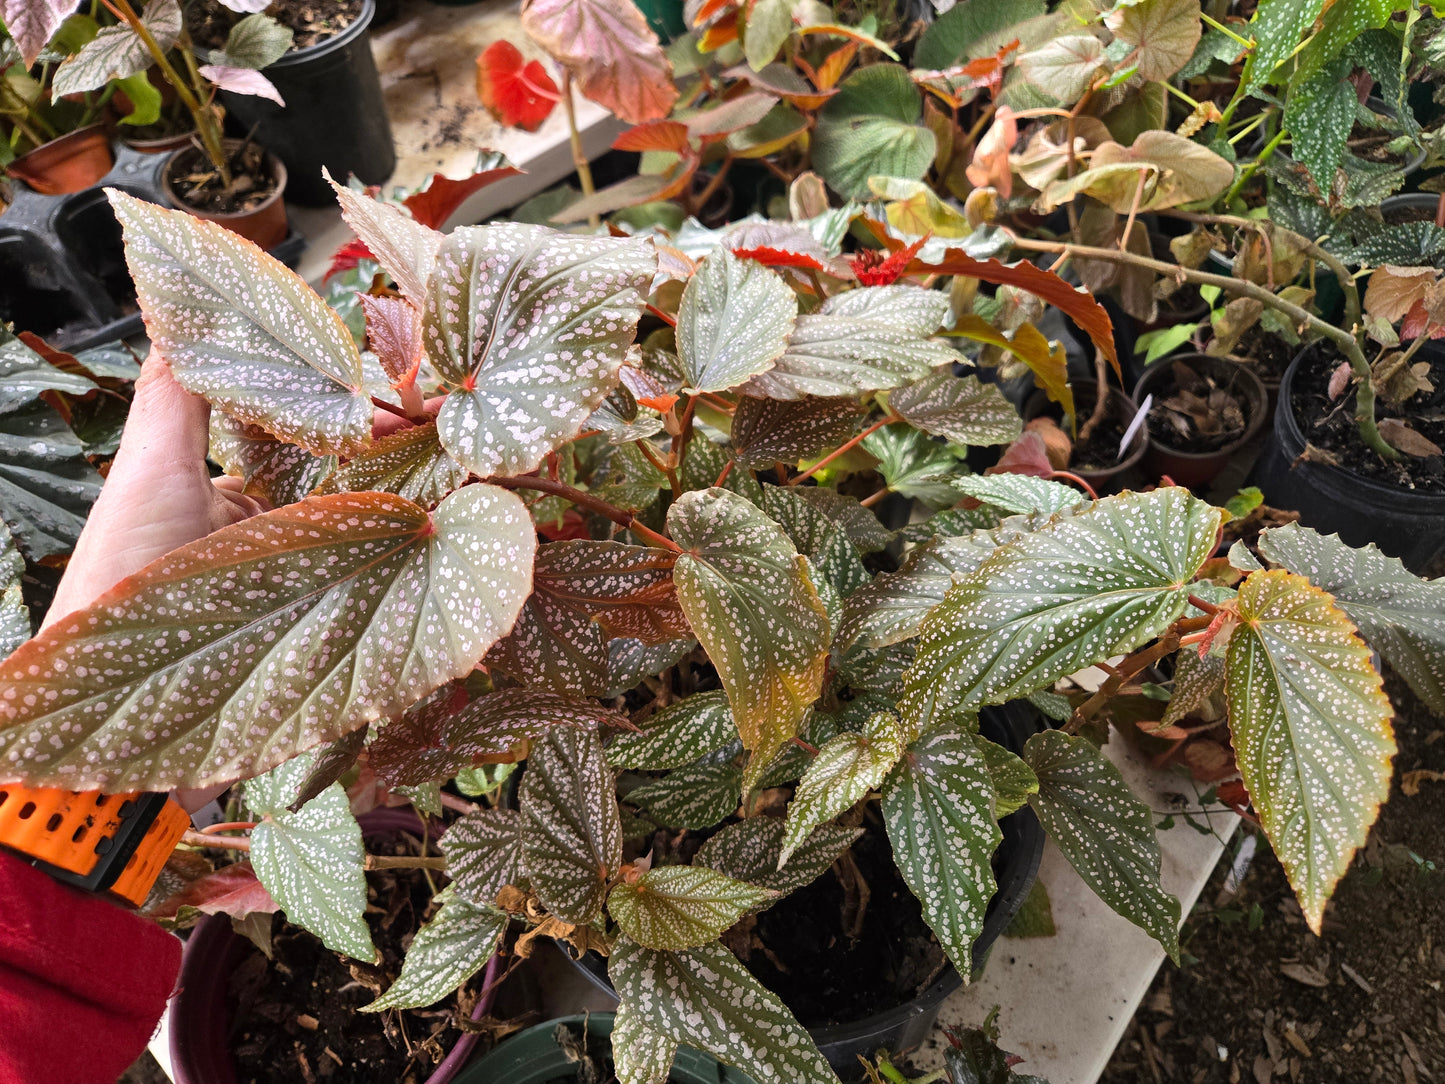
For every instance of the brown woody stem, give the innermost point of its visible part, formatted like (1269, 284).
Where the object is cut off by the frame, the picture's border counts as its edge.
(1343, 340)
(1128, 668)
(387, 861)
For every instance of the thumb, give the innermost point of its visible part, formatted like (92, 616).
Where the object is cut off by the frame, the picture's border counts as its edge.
(167, 425)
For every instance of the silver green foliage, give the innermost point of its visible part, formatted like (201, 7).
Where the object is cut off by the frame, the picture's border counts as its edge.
(679, 907)
(447, 951)
(484, 854)
(961, 408)
(695, 797)
(733, 322)
(677, 735)
(751, 849)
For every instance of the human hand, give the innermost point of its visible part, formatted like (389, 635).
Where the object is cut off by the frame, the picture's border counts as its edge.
(158, 495)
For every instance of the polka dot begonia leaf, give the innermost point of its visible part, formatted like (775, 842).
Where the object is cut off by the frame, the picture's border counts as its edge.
(705, 998)
(678, 907)
(447, 951)
(278, 472)
(1310, 727)
(410, 463)
(733, 322)
(243, 330)
(639, 1054)
(751, 603)
(227, 656)
(529, 327)
(484, 854)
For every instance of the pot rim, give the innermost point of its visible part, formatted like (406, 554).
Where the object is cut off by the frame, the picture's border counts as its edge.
(1292, 441)
(278, 174)
(330, 45)
(1258, 401)
(1038, 401)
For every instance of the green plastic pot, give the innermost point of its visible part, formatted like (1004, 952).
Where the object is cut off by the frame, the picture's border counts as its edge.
(665, 17)
(533, 1057)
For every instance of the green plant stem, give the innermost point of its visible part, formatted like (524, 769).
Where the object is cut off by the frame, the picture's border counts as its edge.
(225, 843)
(1208, 20)
(1248, 171)
(1347, 343)
(579, 156)
(670, 473)
(586, 500)
(1316, 252)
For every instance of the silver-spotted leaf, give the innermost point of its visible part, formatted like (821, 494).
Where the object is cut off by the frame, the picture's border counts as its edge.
(243, 330)
(484, 854)
(891, 608)
(861, 526)
(226, 656)
(844, 771)
(703, 997)
(696, 797)
(1196, 680)
(961, 408)
(748, 597)
(46, 485)
(1310, 728)
(572, 837)
(328, 763)
(1105, 832)
(439, 737)
(733, 322)
(14, 617)
(678, 907)
(1400, 615)
(311, 860)
(630, 660)
(768, 431)
(639, 1054)
(818, 537)
(530, 327)
(117, 51)
(24, 374)
(1013, 780)
(1019, 494)
(406, 249)
(751, 849)
(677, 735)
(447, 951)
(410, 463)
(860, 340)
(277, 472)
(938, 806)
(1071, 594)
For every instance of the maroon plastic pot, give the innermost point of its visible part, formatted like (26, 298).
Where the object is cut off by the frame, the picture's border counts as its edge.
(1102, 479)
(200, 1027)
(1193, 469)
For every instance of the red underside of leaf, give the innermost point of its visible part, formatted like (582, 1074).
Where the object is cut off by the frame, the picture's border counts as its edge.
(519, 93)
(347, 257)
(777, 257)
(655, 135)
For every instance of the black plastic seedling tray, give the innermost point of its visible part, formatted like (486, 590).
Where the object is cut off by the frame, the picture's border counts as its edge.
(62, 268)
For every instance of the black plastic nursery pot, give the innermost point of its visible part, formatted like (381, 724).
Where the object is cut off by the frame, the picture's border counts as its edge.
(334, 117)
(1185, 466)
(905, 1026)
(1403, 523)
(63, 274)
(200, 1029)
(535, 1057)
(1409, 207)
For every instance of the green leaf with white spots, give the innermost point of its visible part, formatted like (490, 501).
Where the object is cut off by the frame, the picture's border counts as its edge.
(938, 806)
(572, 837)
(861, 526)
(226, 656)
(639, 1054)
(750, 850)
(117, 51)
(872, 128)
(1105, 832)
(678, 907)
(583, 593)
(961, 408)
(1014, 782)
(1195, 681)
(484, 854)
(703, 997)
(915, 465)
(844, 771)
(630, 660)
(892, 607)
(1310, 728)
(46, 485)
(436, 738)
(1277, 27)
(1400, 615)
(243, 330)
(448, 950)
(1071, 594)
(311, 860)
(530, 327)
(818, 537)
(410, 463)
(768, 431)
(14, 617)
(860, 340)
(733, 322)
(695, 798)
(748, 596)
(1019, 494)
(677, 735)
(277, 472)
(406, 250)
(1319, 115)
(24, 374)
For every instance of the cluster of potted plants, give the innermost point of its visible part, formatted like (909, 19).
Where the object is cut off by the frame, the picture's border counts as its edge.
(704, 599)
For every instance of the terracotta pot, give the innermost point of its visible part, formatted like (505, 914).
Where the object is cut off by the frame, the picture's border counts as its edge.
(265, 226)
(164, 145)
(1190, 468)
(71, 163)
(1103, 479)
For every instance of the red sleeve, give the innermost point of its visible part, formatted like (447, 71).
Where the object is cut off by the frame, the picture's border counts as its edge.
(83, 982)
